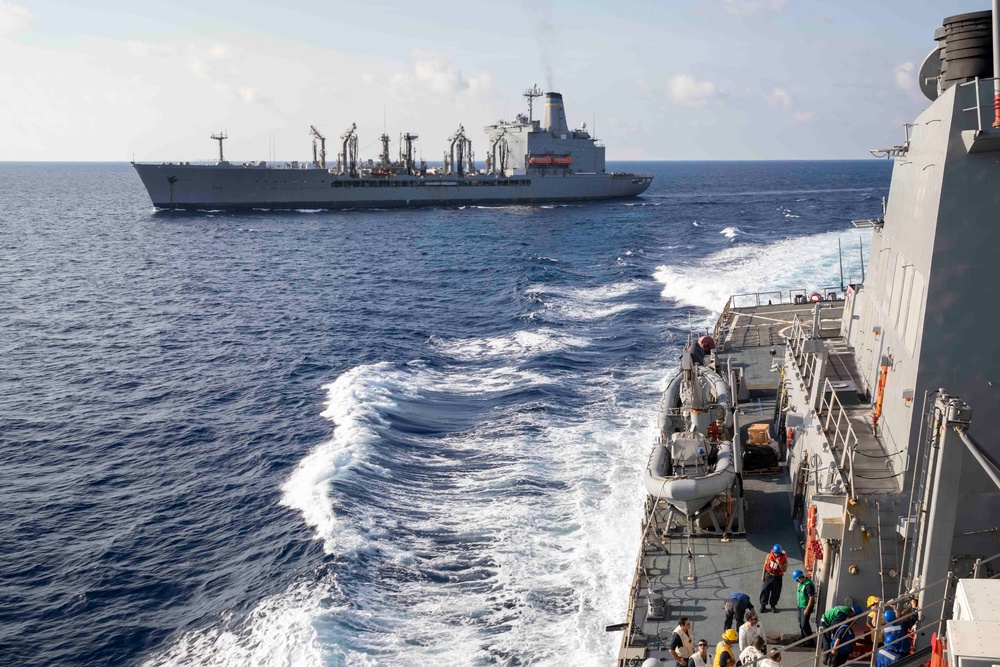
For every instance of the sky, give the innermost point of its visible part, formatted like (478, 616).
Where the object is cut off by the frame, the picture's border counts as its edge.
(667, 80)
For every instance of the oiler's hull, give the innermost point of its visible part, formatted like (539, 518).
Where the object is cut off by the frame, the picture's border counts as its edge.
(233, 187)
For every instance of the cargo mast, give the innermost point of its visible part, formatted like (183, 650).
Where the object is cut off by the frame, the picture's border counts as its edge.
(320, 159)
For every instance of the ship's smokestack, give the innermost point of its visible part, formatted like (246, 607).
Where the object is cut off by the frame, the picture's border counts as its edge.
(555, 115)
(966, 48)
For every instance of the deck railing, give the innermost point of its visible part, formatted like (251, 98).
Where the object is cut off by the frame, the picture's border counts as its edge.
(984, 110)
(836, 422)
(934, 622)
(781, 297)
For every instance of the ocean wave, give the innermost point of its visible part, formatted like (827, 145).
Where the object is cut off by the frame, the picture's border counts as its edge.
(583, 303)
(356, 403)
(518, 345)
(462, 534)
(279, 630)
(773, 267)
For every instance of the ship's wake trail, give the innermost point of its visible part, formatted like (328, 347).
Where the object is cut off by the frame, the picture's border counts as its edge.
(478, 506)
(708, 282)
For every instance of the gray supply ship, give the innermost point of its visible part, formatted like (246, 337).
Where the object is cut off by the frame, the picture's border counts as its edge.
(529, 162)
(880, 401)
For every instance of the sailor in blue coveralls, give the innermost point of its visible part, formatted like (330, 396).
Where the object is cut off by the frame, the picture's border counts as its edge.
(736, 606)
(895, 638)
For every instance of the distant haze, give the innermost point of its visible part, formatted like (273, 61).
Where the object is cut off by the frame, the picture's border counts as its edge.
(695, 80)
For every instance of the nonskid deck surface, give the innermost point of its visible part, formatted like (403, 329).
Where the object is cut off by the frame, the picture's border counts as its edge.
(720, 569)
(747, 336)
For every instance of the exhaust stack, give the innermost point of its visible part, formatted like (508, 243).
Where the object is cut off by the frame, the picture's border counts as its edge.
(555, 115)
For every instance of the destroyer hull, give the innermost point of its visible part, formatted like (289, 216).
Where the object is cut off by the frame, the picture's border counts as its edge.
(238, 187)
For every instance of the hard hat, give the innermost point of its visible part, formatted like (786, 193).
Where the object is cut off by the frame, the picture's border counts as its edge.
(730, 636)
(776, 549)
(856, 609)
(796, 574)
(651, 662)
(889, 616)
(872, 601)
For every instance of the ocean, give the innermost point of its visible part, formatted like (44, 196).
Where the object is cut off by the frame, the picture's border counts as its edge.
(362, 437)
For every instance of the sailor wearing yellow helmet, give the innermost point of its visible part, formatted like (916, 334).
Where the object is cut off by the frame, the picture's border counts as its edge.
(724, 649)
(872, 605)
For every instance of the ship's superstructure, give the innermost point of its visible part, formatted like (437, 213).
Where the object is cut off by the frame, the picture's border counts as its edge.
(528, 162)
(883, 398)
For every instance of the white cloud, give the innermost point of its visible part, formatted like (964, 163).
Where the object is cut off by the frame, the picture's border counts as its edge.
(435, 73)
(196, 66)
(643, 86)
(779, 98)
(803, 116)
(685, 90)
(14, 19)
(904, 75)
(744, 7)
(140, 49)
(219, 51)
(248, 94)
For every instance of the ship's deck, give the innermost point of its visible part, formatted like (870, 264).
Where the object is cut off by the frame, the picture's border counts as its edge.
(751, 339)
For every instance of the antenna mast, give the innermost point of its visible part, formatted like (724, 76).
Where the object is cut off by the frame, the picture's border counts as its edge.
(531, 94)
(220, 137)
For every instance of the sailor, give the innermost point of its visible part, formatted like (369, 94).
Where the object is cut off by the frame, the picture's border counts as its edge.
(774, 569)
(895, 637)
(701, 658)
(697, 353)
(772, 660)
(736, 606)
(681, 642)
(841, 645)
(896, 632)
(750, 630)
(753, 654)
(872, 605)
(806, 595)
(833, 618)
(724, 649)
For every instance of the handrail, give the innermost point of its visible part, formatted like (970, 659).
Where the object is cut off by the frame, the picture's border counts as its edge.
(778, 297)
(722, 318)
(979, 105)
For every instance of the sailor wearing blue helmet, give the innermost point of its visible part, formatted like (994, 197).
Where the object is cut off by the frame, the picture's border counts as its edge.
(771, 577)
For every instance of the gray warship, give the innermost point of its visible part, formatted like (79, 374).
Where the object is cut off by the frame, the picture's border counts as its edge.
(528, 162)
(880, 402)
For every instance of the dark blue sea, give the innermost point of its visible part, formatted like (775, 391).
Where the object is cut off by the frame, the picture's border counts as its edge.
(359, 438)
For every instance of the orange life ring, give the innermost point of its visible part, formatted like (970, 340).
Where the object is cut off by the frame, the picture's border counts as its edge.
(815, 297)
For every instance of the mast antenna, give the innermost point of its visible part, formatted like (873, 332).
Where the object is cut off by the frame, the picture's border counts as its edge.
(220, 137)
(531, 94)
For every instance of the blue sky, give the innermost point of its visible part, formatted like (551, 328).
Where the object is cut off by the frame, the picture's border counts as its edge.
(688, 80)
